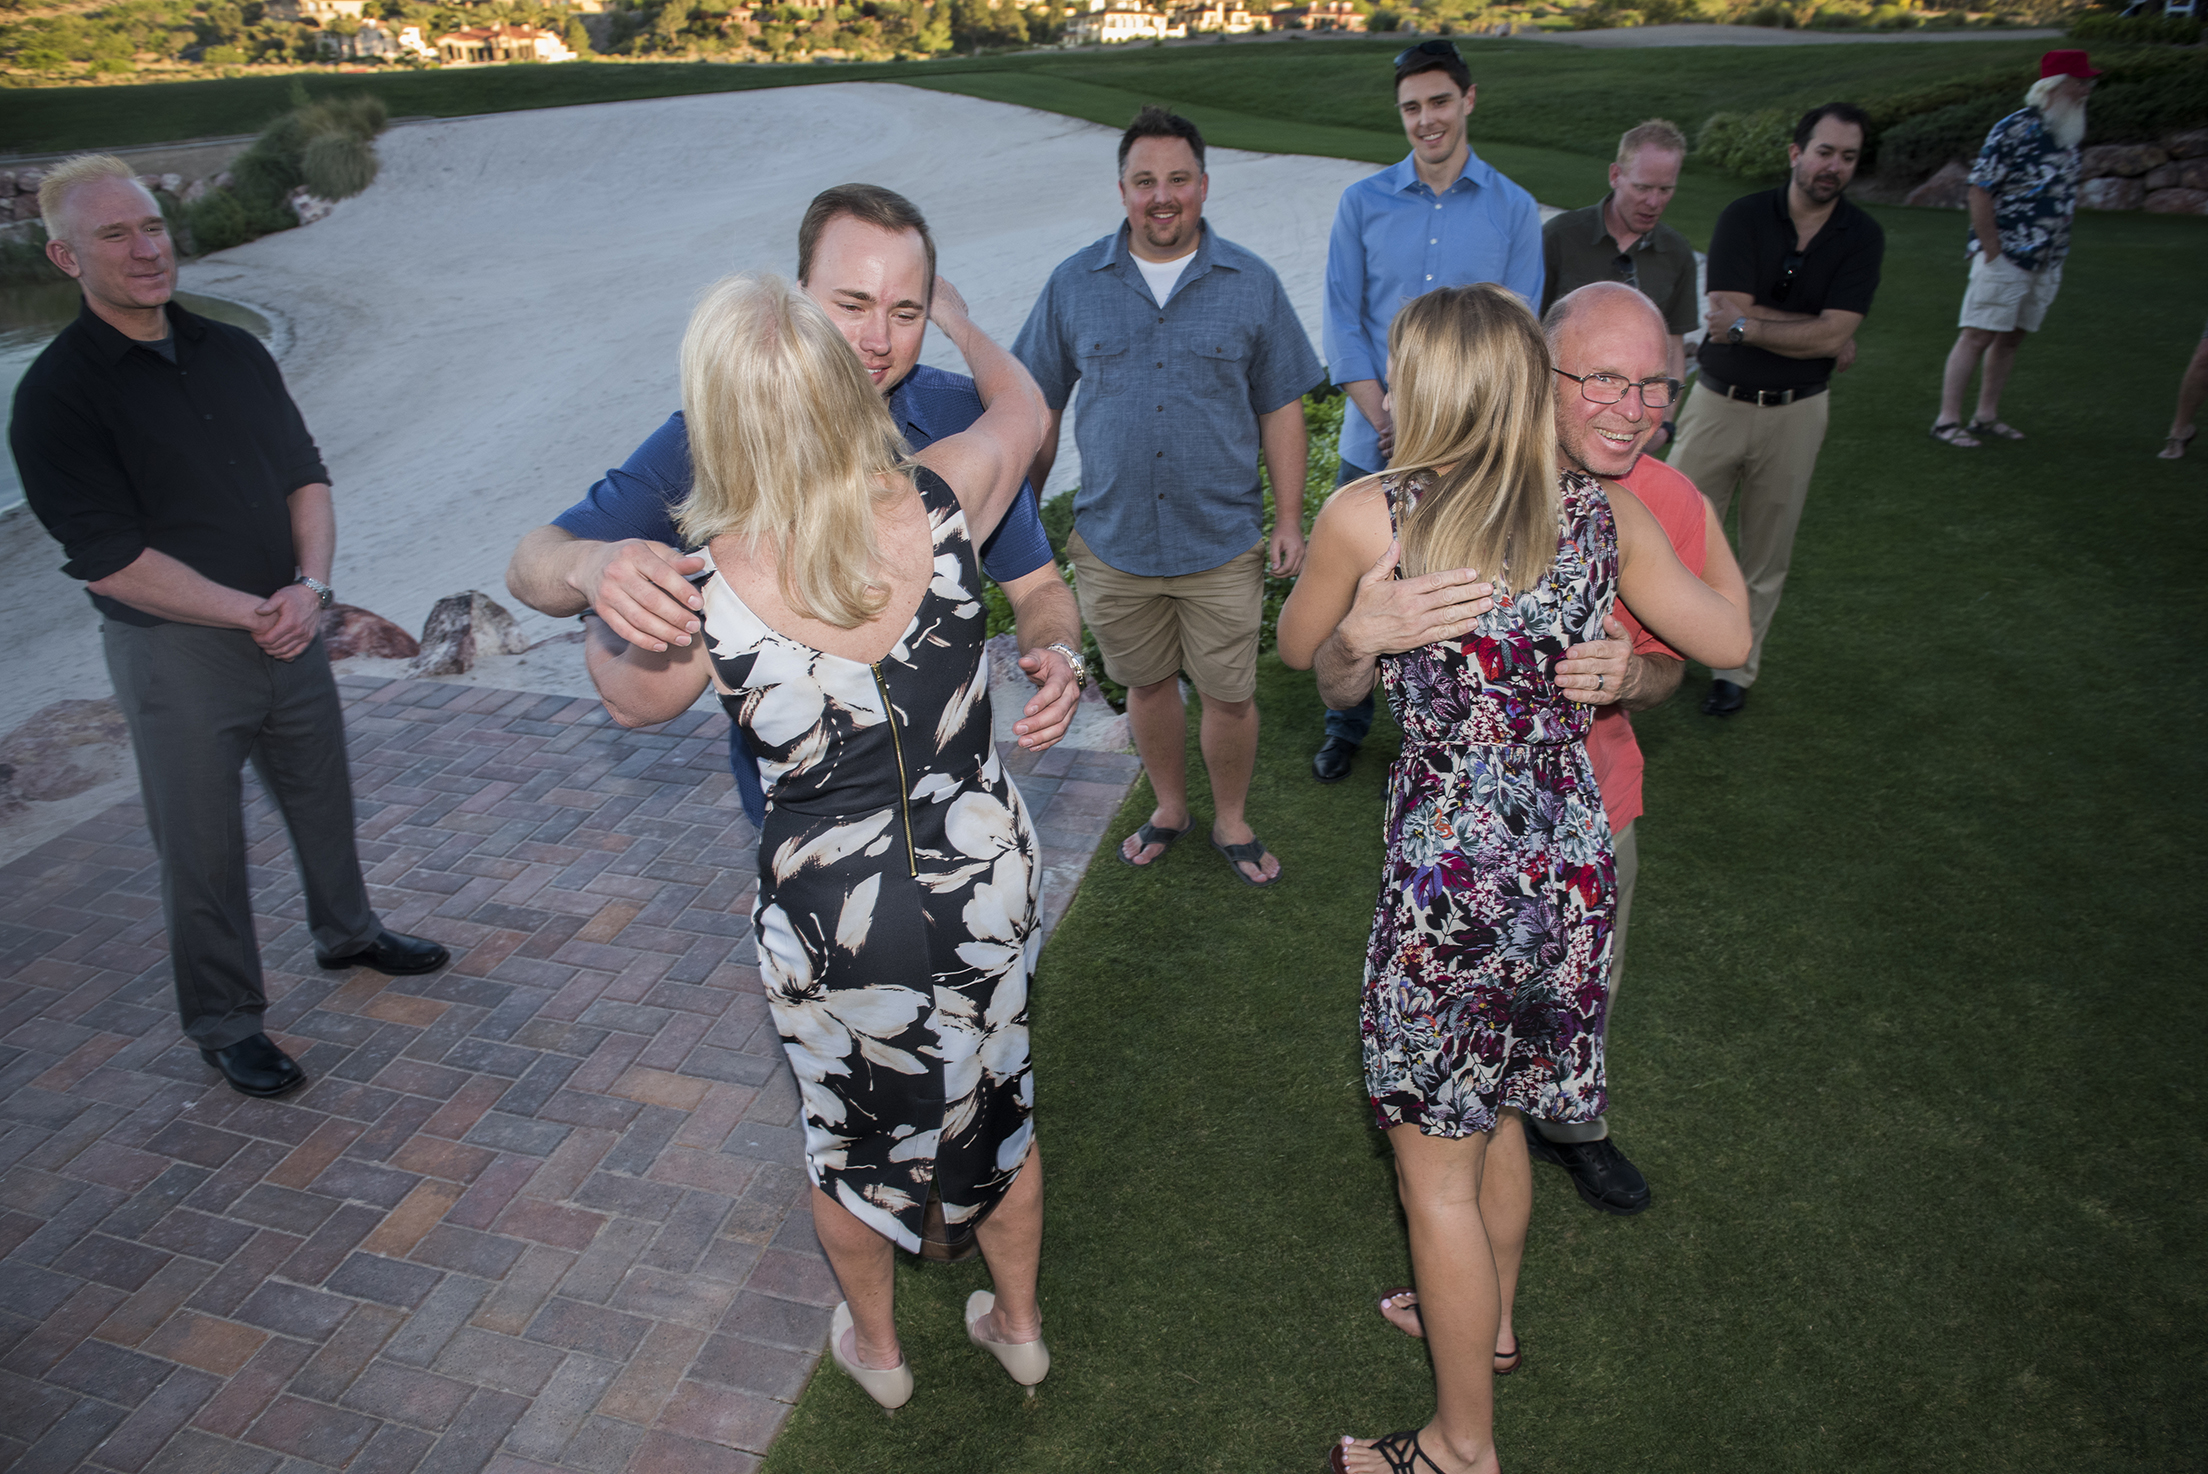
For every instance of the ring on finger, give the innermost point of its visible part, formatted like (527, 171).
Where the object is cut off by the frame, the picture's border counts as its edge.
(1599, 679)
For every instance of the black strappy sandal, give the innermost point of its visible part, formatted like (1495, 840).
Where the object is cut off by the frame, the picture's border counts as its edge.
(1401, 1450)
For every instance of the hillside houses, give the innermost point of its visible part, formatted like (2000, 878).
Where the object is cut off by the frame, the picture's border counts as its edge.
(488, 45)
(1111, 22)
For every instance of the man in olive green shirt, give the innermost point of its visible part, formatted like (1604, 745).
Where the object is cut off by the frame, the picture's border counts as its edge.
(1623, 238)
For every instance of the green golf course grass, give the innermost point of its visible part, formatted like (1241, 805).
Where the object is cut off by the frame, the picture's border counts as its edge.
(1907, 1044)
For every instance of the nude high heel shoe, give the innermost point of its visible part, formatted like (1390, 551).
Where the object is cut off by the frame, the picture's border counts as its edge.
(889, 1386)
(1027, 1361)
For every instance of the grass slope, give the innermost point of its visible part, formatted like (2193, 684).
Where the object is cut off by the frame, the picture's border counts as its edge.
(1909, 1045)
(1535, 94)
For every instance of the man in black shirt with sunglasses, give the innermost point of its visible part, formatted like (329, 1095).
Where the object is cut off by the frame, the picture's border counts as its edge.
(1791, 275)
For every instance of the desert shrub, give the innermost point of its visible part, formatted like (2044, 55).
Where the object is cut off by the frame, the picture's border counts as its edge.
(2141, 30)
(338, 166)
(327, 146)
(267, 171)
(1750, 145)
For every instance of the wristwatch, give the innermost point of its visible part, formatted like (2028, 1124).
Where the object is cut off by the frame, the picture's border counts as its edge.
(1075, 659)
(323, 593)
(1737, 331)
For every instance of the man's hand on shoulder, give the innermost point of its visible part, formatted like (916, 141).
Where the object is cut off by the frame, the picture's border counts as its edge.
(641, 589)
(289, 619)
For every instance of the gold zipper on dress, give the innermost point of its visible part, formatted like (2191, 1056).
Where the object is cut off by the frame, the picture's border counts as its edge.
(904, 784)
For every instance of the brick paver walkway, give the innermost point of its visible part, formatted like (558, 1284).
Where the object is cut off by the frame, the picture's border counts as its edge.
(541, 1210)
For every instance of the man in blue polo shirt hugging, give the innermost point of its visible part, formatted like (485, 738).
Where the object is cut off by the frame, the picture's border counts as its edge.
(863, 253)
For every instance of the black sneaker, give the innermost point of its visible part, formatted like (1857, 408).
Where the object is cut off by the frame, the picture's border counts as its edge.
(1599, 1170)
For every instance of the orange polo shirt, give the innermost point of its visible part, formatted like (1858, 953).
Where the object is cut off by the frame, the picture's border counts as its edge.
(1678, 508)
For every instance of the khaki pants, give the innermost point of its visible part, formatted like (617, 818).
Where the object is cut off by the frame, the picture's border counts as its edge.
(1770, 455)
(1628, 852)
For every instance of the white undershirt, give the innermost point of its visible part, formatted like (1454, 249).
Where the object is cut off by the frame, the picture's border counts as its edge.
(1161, 275)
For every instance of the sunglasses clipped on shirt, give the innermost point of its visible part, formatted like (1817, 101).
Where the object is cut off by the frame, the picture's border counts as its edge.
(1789, 269)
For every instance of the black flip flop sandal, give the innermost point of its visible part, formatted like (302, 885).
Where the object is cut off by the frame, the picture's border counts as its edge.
(1239, 855)
(1151, 834)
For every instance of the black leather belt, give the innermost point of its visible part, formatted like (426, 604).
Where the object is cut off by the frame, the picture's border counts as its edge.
(1762, 398)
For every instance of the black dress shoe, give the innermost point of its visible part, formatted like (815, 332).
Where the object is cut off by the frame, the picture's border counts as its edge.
(394, 954)
(1599, 1170)
(255, 1066)
(1724, 699)
(1331, 763)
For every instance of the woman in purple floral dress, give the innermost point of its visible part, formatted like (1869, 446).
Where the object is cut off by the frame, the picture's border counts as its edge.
(1485, 978)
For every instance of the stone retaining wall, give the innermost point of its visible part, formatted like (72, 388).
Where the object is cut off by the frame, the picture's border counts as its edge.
(2165, 178)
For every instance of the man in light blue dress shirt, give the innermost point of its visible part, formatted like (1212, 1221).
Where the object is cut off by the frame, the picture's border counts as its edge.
(1440, 218)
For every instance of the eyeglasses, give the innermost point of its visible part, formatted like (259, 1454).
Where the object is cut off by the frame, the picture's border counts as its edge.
(1611, 389)
(1790, 268)
(1447, 49)
(1628, 271)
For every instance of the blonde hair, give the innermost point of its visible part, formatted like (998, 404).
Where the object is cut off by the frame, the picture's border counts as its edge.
(1656, 133)
(1471, 389)
(67, 175)
(789, 443)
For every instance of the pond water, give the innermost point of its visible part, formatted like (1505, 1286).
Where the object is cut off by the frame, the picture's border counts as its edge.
(31, 315)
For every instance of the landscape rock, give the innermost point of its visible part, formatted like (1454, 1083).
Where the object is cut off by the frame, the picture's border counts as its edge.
(460, 627)
(348, 630)
(27, 181)
(151, 182)
(2177, 202)
(173, 183)
(309, 208)
(224, 179)
(2190, 143)
(1947, 190)
(196, 191)
(63, 750)
(2119, 160)
(2169, 176)
(2193, 174)
(7, 184)
(2111, 194)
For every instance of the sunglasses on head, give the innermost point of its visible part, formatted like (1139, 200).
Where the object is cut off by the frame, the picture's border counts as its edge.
(1423, 49)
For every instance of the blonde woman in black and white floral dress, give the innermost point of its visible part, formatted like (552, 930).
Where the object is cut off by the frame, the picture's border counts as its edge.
(898, 887)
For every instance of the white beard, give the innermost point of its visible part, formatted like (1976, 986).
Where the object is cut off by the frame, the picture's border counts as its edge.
(2065, 121)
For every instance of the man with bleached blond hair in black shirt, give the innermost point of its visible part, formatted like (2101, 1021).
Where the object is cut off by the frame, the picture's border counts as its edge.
(165, 455)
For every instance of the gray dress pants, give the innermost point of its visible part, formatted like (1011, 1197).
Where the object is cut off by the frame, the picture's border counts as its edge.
(200, 703)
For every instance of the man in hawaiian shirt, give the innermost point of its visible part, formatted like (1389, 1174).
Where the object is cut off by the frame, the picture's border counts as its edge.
(2023, 191)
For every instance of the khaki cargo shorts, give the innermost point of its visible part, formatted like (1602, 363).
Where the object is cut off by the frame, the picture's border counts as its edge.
(1151, 629)
(2004, 296)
